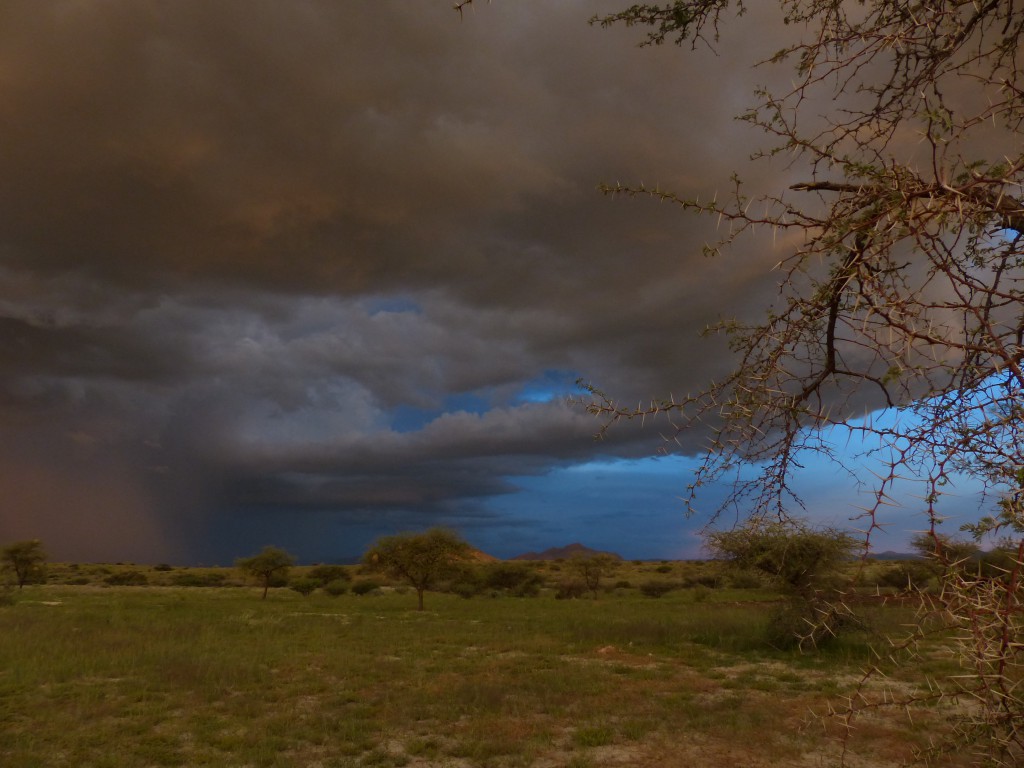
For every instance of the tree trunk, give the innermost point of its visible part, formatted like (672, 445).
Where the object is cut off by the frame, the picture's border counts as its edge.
(419, 594)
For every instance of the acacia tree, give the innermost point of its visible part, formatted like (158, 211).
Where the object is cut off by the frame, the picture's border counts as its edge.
(25, 558)
(592, 568)
(421, 559)
(904, 293)
(805, 563)
(270, 562)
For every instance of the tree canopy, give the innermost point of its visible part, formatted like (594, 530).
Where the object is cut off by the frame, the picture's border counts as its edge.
(25, 559)
(806, 563)
(270, 562)
(420, 559)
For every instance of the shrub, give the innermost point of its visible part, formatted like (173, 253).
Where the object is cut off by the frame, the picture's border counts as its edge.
(705, 580)
(801, 560)
(570, 590)
(516, 578)
(656, 588)
(800, 624)
(304, 587)
(190, 579)
(464, 589)
(127, 579)
(365, 587)
(997, 563)
(528, 589)
(906, 576)
(324, 574)
(590, 569)
(664, 568)
(336, 587)
(744, 580)
(805, 563)
(163, 567)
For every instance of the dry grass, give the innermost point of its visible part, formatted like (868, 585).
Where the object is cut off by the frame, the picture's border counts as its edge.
(120, 676)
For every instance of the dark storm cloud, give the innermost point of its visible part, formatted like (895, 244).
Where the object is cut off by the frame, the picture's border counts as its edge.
(280, 261)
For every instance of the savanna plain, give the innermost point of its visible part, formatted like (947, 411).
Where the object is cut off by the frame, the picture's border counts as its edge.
(127, 666)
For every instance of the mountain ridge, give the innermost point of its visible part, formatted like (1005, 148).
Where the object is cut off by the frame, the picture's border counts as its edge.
(562, 553)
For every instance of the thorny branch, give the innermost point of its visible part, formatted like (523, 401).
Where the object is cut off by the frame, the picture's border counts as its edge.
(905, 293)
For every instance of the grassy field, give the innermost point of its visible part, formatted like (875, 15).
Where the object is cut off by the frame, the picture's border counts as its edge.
(116, 676)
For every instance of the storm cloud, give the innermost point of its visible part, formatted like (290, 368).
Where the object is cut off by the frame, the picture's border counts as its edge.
(304, 273)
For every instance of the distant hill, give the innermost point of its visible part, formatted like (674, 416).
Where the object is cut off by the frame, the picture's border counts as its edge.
(478, 556)
(561, 553)
(889, 555)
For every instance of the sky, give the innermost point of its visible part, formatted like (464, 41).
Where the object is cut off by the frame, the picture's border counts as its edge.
(306, 273)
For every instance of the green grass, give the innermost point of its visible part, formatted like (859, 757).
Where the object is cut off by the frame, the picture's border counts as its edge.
(162, 676)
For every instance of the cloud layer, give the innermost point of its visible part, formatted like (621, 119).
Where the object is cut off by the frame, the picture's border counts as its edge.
(309, 272)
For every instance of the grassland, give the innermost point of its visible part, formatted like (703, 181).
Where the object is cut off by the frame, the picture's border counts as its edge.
(101, 676)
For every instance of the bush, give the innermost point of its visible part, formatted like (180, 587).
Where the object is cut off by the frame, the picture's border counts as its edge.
(906, 576)
(516, 578)
(744, 580)
(528, 589)
(809, 624)
(336, 587)
(304, 587)
(656, 588)
(190, 579)
(997, 563)
(705, 580)
(464, 589)
(324, 574)
(365, 587)
(163, 567)
(803, 561)
(570, 590)
(663, 569)
(127, 579)
(806, 564)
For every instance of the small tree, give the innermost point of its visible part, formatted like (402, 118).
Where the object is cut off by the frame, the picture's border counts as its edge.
(26, 559)
(591, 568)
(264, 566)
(418, 558)
(806, 565)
